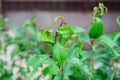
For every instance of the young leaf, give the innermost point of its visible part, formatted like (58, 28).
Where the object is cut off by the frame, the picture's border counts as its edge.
(58, 17)
(46, 36)
(65, 29)
(59, 53)
(102, 7)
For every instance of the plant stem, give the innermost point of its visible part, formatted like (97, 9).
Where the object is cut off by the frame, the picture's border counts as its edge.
(0, 7)
(114, 69)
(56, 36)
(113, 74)
(89, 78)
(90, 59)
(61, 71)
(91, 64)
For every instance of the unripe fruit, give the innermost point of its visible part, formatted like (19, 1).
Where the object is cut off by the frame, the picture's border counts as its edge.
(96, 28)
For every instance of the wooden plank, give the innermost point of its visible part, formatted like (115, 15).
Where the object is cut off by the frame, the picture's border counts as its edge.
(61, 0)
(0, 6)
(57, 6)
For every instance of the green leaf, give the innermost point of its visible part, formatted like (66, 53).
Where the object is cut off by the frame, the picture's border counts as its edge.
(94, 11)
(59, 77)
(85, 55)
(1, 25)
(101, 6)
(7, 75)
(31, 30)
(84, 38)
(101, 56)
(76, 73)
(35, 62)
(46, 36)
(23, 71)
(99, 11)
(115, 36)
(106, 40)
(75, 62)
(65, 29)
(59, 53)
(109, 44)
(118, 20)
(117, 48)
(66, 69)
(52, 69)
(77, 29)
(75, 50)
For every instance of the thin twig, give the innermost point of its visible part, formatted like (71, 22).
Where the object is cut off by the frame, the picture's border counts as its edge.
(56, 34)
(61, 70)
(114, 69)
(90, 59)
(113, 74)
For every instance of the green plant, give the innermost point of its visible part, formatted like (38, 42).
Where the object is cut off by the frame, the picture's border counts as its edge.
(62, 56)
(68, 60)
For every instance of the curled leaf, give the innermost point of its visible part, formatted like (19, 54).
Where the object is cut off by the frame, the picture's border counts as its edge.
(118, 20)
(100, 10)
(59, 17)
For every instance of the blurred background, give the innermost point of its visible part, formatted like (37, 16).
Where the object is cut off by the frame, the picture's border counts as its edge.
(75, 12)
